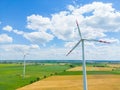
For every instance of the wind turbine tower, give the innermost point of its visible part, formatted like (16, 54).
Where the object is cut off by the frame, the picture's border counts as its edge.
(24, 67)
(82, 40)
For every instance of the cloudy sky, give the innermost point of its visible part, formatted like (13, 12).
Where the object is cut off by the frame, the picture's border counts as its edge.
(46, 29)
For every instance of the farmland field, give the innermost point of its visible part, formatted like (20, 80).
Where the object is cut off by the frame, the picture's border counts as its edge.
(58, 76)
(74, 82)
(11, 74)
(91, 69)
(99, 76)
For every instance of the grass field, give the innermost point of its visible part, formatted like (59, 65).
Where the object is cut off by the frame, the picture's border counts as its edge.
(11, 74)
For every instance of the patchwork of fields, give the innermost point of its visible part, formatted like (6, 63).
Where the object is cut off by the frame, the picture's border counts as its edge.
(59, 76)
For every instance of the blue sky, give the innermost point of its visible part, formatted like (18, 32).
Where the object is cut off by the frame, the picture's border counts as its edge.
(47, 30)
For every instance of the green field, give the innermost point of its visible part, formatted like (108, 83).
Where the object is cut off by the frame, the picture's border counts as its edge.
(11, 74)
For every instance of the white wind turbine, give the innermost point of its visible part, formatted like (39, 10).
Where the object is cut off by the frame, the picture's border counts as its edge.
(24, 60)
(24, 67)
(82, 40)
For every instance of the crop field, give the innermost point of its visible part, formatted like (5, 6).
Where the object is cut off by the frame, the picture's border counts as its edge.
(59, 76)
(79, 68)
(74, 82)
(114, 65)
(11, 75)
(94, 69)
(97, 67)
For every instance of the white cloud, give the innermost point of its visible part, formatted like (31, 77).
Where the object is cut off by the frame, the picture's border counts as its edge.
(39, 37)
(38, 22)
(4, 38)
(16, 51)
(97, 8)
(71, 7)
(95, 20)
(34, 46)
(18, 32)
(63, 25)
(104, 52)
(8, 28)
(101, 18)
(69, 44)
(19, 47)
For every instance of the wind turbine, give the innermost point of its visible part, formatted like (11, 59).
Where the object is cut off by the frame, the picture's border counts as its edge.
(24, 67)
(82, 40)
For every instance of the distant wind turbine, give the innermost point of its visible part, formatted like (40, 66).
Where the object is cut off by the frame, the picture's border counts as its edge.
(83, 54)
(25, 53)
(24, 67)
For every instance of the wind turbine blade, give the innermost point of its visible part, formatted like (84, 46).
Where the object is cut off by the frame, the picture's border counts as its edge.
(79, 29)
(73, 48)
(102, 41)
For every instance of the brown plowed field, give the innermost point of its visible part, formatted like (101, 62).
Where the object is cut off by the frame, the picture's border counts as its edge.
(74, 82)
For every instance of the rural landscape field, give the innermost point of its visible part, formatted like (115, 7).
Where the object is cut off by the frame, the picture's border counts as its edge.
(59, 76)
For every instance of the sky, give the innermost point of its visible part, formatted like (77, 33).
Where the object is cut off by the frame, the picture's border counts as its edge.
(47, 30)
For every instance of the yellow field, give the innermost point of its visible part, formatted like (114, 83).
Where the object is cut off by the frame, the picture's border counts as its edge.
(79, 68)
(74, 82)
(114, 65)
